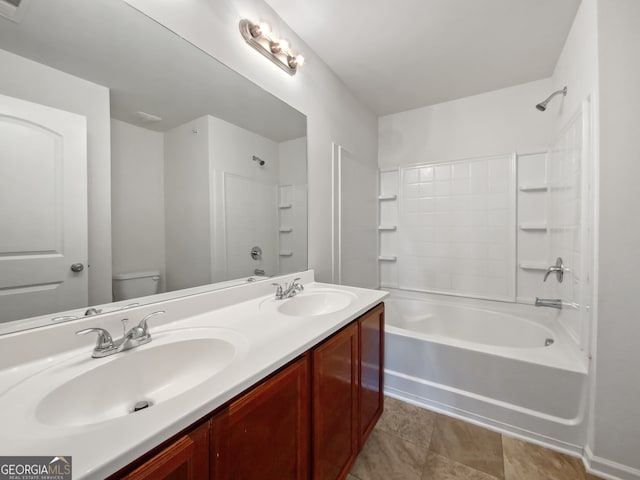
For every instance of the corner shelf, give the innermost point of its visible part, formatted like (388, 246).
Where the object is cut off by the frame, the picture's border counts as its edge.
(285, 230)
(533, 187)
(526, 265)
(387, 197)
(387, 258)
(285, 205)
(387, 228)
(533, 226)
(286, 253)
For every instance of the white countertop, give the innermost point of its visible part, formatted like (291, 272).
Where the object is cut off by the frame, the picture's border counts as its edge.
(271, 340)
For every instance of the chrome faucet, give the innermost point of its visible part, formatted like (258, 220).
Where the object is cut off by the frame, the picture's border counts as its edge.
(549, 302)
(288, 291)
(106, 345)
(558, 269)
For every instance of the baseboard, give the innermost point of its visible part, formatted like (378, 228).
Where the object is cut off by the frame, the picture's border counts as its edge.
(608, 469)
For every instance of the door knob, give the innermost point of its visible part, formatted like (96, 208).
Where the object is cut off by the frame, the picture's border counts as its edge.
(77, 267)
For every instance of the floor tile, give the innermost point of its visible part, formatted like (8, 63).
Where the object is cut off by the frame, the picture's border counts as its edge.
(588, 476)
(413, 424)
(438, 467)
(468, 444)
(525, 461)
(388, 457)
(351, 477)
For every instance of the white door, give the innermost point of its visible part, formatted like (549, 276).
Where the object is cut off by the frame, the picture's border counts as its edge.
(43, 209)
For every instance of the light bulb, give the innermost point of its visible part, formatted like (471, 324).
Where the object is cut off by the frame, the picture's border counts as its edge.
(265, 29)
(299, 60)
(284, 45)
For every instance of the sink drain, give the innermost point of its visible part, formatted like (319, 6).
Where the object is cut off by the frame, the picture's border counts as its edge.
(548, 341)
(141, 406)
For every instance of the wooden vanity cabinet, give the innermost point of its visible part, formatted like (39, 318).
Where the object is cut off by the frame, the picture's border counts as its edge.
(335, 405)
(308, 421)
(185, 459)
(265, 433)
(347, 394)
(371, 373)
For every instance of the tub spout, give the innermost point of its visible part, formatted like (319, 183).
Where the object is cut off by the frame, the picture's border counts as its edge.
(548, 302)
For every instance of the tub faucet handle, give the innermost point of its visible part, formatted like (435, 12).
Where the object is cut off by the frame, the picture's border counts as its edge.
(558, 269)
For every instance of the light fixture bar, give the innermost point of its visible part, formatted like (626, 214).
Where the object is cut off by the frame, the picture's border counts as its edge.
(278, 51)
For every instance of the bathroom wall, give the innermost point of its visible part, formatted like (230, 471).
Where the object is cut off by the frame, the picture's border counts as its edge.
(471, 256)
(244, 201)
(333, 113)
(492, 123)
(137, 199)
(187, 204)
(616, 406)
(22, 78)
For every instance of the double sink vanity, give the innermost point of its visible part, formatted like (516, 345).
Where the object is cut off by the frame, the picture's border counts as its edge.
(234, 383)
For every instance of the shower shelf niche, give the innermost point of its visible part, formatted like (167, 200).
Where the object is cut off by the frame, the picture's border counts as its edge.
(284, 206)
(533, 187)
(533, 226)
(526, 265)
(285, 230)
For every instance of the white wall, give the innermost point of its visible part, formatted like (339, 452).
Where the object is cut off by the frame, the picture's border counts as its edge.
(137, 199)
(617, 405)
(492, 123)
(187, 205)
(22, 78)
(333, 114)
(577, 66)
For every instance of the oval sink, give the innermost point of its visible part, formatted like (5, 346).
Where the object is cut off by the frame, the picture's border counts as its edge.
(153, 373)
(312, 303)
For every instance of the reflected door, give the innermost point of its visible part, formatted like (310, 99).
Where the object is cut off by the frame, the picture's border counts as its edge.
(43, 209)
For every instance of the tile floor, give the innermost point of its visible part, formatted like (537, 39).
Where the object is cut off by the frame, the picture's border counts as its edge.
(411, 443)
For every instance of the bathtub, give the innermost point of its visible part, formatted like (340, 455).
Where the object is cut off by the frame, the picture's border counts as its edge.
(509, 367)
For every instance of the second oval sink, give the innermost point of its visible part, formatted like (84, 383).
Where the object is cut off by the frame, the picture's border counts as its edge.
(154, 374)
(312, 303)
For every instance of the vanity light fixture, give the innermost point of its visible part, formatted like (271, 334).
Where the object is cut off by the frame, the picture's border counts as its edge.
(278, 50)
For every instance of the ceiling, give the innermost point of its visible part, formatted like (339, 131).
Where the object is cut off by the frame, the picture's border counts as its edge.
(401, 55)
(145, 66)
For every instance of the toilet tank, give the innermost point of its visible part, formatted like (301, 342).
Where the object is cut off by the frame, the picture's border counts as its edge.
(135, 284)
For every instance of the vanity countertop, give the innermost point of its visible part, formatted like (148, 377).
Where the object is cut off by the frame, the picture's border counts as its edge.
(265, 340)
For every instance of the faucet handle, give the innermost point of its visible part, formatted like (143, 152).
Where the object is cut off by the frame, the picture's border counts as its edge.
(278, 289)
(104, 340)
(143, 323)
(558, 269)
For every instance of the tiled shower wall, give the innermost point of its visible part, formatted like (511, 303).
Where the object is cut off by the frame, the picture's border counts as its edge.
(451, 228)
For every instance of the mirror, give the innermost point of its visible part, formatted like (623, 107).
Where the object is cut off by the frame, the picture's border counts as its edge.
(133, 163)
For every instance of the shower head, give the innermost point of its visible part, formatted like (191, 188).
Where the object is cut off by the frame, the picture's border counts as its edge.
(542, 106)
(259, 160)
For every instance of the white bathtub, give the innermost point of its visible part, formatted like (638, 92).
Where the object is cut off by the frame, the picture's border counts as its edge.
(487, 362)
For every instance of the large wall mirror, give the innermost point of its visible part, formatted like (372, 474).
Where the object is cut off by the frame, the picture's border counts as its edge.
(132, 163)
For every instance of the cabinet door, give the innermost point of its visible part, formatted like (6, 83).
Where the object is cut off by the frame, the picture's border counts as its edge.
(335, 405)
(265, 434)
(371, 335)
(185, 459)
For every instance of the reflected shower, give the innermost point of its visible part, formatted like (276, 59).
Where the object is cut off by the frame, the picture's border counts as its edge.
(259, 160)
(542, 106)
